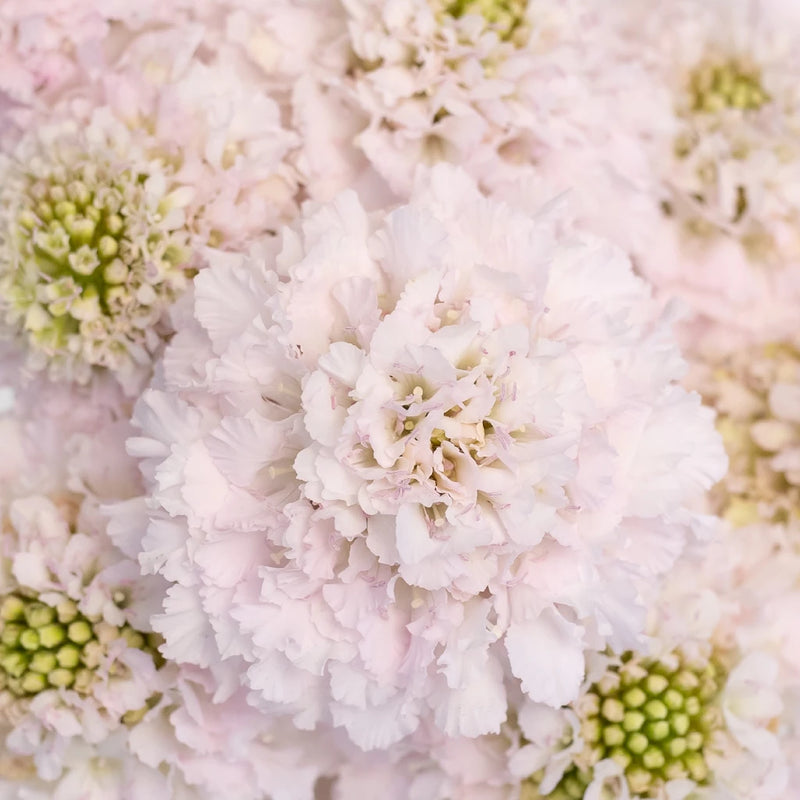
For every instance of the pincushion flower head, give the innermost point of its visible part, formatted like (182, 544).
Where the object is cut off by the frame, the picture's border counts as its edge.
(756, 393)
(724, 152)
(705, 709)
(88, 707)
(95, 247)
(485, 84)
(434, 445)
(76, 658)
(108, 199)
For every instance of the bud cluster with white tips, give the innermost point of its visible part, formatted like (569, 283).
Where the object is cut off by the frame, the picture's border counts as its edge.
(94, 244)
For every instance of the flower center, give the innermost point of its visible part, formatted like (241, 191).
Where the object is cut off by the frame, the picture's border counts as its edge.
(653, 717)
(505, 17)
(711, 183)
(714, 86)
(51, 647)
(755, 397)
(92, 255)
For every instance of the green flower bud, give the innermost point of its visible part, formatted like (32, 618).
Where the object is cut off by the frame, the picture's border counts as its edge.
(11, 633)
(591, 730)
(653, 758)
(633, 721)
(133, 638)
(692, 706)
(42, 661)
(676, 747)
(655, 684)
(679, 723)
(60, 678)
(68, 656)
(80, 229)
(637, 743)
(613, 735)
(64, 209)
(696, 766)
(107, 247)
(657, 731)
(639, 779)
(650, 720)
(15, 664)
(621, 756)
(613, 710)
(92, 655)
(655, 709)
(694, 740)
(79, 631)
(12, 608)
(33, 682)
(673, 699)
(634, 697)
(29, 639)
(83, 680)
(37, 615)
(66, 610)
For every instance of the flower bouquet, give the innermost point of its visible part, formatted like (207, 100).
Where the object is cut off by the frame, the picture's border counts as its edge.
(399, 399)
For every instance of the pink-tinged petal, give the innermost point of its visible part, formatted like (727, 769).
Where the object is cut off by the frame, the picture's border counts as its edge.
(546, 654)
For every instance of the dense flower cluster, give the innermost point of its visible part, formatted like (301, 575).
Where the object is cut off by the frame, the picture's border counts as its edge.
(104, 208)
(399, 398)
(415, 487)
(757, 394)
(431, 80)
(717, 222)
(95, 246)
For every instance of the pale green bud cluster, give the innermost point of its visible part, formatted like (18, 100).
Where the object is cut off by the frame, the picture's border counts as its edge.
(90, 259)
(717, 107)
(654, 718)
(505, 17)
(758, 487)
(53, 647)
(714, 86)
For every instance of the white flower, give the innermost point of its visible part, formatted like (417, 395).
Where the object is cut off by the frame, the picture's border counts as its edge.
(494, 86)
(72, 664)
(719, 225)
(756, 392)
(707, 710)
(110, 196)
(410, 459)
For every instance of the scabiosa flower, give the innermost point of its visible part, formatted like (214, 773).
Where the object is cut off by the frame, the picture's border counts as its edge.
(76, 659)
(95, 247)
(431, 444)
(722, 222)
(485, 84)
(707, 711)
(108, 200)
(654, 718)
(756, 393)
(42, 44)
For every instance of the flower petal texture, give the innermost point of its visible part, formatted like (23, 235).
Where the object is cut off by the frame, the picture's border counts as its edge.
(411, 454)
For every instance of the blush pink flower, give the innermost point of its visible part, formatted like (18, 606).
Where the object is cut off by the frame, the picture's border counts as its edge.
(490, 86)
(717, 222)
(413, 456)
(113, 191)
